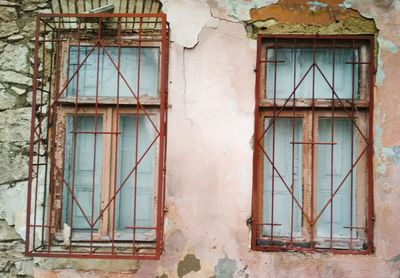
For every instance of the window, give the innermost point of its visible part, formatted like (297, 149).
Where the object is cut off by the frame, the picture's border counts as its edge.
(312, 187)
(97, 168)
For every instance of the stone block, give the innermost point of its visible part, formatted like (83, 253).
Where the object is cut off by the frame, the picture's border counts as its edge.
(7, 233)
(15, 38)
(7, 100)
(8, 4)
(8, 14)
(15, 58)
(8, 28)
(15, 125)
(15, 78)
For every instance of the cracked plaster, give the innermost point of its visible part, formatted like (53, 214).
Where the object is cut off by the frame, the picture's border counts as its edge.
(211, 79)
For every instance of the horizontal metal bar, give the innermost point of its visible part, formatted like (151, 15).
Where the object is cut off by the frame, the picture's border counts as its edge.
(356, 228)
(95, 132)
(314, 143)
(316, 37)
(272, 61)
(358, 63)
(268, 224)
(66, 254)
(101, 15)
(141, 228)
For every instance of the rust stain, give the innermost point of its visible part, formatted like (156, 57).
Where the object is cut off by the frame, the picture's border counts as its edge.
(304, 12)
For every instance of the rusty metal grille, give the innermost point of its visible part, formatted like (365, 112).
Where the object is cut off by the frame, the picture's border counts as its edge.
(98, 136)
(312, 180)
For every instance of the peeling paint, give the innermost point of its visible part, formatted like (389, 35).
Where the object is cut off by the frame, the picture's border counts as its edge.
(395, 259)
(236, 10)
(290, 17)
(393, 153)
(187, 19)
(315, 5)
(345, 5)
(210, 88)
(188, 264)
(389, 45)
(225, 268)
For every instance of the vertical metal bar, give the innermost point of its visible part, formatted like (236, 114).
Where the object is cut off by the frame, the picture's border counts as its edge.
(312, 145)
(256, 185)
(47, 133)
(370, 171)
(32, 139)
(352, 143)
(116, 139)
(273, 142)
(164, 59)
(294, 57)
(332, 139)
(137, 137)
(40, 138)
(163, 107)
(74, 134)
(95, 134)
(52, 124)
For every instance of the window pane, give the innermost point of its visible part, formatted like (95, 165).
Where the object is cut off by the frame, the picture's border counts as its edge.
(144, 185)
(294, 72)
(107, 74)
(87, 172)
(275, 190)
(332, 175)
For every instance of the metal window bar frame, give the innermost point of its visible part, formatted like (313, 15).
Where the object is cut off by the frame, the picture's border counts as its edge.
(43, 193)
(289, 108)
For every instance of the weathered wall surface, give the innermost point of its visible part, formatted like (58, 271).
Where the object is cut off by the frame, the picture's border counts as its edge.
(17, 28)
(211, 75)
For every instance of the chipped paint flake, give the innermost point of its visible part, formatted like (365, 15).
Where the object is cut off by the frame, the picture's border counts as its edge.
(317, 4)
(188, 264)
(389, 45)
(187, 19)
(225, 268)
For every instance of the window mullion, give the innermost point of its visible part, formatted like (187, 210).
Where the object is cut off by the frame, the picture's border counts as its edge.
(106, 171)
(307, 177)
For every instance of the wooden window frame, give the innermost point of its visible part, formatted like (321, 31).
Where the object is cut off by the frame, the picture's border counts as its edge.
(109, 151)
(53, 36)
(310, 111)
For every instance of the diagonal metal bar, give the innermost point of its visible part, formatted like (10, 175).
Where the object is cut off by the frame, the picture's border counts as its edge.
(66, 86)
(341, 184)
(284, 182)
(129, 86)
(126, 179)
(283, 106)
(341, 102)
(70, 192)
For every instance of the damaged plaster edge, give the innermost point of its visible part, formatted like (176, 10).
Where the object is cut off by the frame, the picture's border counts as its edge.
(349, 26)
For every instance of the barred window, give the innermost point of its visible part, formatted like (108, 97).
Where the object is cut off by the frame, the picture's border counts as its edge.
(313, 144)
(97, 164)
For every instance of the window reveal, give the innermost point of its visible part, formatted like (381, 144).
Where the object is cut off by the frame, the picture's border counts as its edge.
(104, 132)
(312, 187)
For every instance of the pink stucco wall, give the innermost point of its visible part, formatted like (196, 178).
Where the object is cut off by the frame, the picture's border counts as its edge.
(209, 176)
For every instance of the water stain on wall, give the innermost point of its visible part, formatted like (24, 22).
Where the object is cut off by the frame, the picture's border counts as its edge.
(188, 264)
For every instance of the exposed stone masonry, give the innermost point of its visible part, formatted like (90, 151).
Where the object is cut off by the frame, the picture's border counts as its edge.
(17, 27)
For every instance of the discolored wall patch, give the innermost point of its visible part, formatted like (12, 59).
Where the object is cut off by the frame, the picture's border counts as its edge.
(188, 264)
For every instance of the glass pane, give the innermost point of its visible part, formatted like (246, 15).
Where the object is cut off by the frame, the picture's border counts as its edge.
(85, 179)
(142, 186)
(107, 75)
(331, 173)
(287, 159)
(295, 75)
